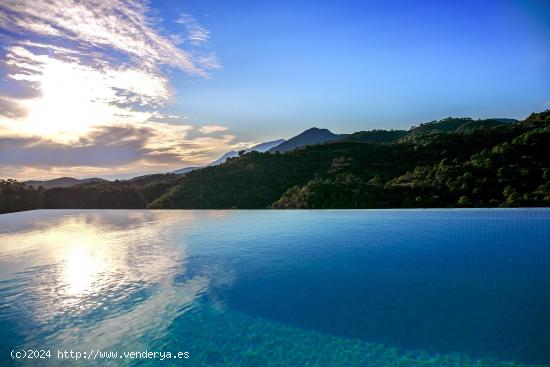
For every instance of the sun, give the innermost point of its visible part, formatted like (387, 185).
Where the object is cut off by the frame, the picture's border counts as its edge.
(73, 99)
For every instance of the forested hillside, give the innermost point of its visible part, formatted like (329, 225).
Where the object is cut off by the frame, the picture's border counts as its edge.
(129, 194)
(447, 163)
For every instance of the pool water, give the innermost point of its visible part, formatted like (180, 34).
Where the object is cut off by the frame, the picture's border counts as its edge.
(279, 288)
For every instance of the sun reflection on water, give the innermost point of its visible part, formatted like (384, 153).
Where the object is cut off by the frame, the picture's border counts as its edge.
(103, 279)
(81, 269)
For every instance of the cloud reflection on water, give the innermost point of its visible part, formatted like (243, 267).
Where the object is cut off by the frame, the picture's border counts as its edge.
(102, 279)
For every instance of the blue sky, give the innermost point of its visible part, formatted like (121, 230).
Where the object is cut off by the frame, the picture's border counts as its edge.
(351, 65)
(116, 87)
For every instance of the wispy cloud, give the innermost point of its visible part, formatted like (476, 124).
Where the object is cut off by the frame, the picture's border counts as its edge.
(196, 33)
(11, 109)
(243, 145)
(121, 25)
(209, 129)
(91, 84)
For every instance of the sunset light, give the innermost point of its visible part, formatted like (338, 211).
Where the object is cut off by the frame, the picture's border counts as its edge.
(275, 183)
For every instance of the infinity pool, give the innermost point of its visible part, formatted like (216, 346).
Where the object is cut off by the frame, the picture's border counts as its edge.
(278, 288)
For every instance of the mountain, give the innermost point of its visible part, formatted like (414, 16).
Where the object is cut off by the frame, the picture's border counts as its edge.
(309, 137)
(223, 158)
(87, 194)
(262, 147)
(484, 165)
(61, 182)
(449, 164)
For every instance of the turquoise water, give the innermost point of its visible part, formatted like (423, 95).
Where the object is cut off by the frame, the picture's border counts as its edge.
(279, 288)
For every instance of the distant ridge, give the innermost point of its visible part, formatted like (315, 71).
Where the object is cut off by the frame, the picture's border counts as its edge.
(449, 163)
(61, 182)
(223, 158)
(309, 137)
(262, 147)
(454, 162)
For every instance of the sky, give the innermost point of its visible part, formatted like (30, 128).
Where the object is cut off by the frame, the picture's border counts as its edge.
(118, 88)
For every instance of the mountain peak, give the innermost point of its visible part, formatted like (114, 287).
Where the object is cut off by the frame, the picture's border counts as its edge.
(262, 147)
(316, 129)
(310, 136)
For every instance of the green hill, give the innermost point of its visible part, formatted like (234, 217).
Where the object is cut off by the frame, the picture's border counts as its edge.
(447, 163)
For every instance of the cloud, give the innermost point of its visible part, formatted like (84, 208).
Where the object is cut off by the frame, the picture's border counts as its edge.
(72, 78)
(243, 145)
(102, 148)
(153, 147)
(209, 129)
(196, 34)
(121, 25)
(9, 108)
(88, 82)
(75, 96)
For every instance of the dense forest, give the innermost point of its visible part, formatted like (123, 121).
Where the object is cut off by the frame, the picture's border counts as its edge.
(456, 162)
(127, 194)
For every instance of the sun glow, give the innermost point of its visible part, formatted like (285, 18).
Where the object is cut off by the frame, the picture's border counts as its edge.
(67, 106)
(90, 106)
(87, 85)
(74, 98)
